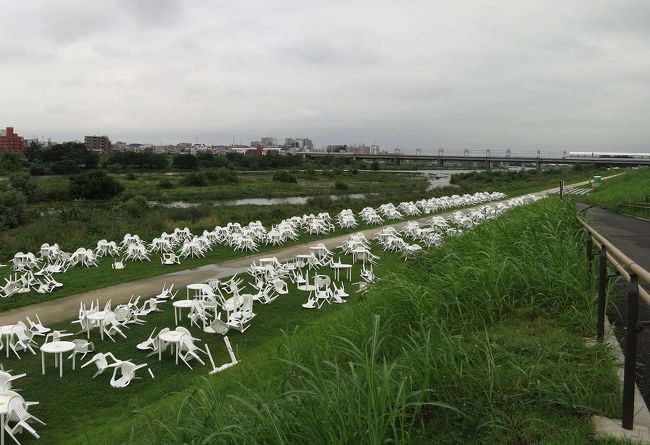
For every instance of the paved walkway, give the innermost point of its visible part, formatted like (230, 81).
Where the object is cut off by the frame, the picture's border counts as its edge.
(632, 237)
(67, 308)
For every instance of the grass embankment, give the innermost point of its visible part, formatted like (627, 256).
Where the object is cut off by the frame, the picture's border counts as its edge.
(479, 341)
(528, 181)
(76, 408)
(629, 193)
(83, 227)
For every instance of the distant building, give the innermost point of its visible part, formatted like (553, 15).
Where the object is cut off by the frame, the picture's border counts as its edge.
(336, 148)
(97, 144)
(119, 146)
(10, 141)
(362, 149)
(268, 142)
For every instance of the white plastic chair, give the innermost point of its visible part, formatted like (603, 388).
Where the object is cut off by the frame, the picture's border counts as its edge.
(127, 370)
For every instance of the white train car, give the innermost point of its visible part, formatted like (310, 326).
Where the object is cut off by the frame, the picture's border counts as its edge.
(606, 154)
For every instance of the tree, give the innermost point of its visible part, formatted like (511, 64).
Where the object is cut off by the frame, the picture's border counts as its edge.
(185, 162)
(375, 165)
(24, 183)
(13, 210)
(94, 185)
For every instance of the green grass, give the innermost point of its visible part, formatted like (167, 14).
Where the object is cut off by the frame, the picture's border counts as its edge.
(629, 193)
(75, 406)
(479, 341)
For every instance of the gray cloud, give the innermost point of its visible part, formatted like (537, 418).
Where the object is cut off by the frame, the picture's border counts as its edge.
(528, 75)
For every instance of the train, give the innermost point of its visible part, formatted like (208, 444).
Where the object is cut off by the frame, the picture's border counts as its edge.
(605, 154)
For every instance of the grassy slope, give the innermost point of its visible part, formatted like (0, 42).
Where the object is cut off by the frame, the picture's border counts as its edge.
(614, 194)
(77, 400)
(491, 324)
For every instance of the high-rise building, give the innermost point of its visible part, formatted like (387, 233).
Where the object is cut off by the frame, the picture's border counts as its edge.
(10, 141)
(97, 143)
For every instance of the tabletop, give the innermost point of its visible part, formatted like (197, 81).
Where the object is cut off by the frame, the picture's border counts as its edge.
(233, 303)
(4, 404)
(56, 347)
(99, 315)
(182, 303)
(172, 336)
(6, 329)
(197, 286)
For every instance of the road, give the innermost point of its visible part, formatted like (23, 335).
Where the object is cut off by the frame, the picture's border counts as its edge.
(632, 237)
(67, 308)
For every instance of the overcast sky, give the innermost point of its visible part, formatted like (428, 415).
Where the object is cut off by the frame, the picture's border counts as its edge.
(525, 75)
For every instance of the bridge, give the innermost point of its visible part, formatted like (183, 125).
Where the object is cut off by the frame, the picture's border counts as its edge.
(486, 160)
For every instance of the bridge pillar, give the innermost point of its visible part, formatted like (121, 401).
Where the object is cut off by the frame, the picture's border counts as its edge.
(441, 163)
(538, 165)
(523, 166)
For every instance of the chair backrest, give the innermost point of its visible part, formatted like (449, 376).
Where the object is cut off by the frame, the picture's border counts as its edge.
(183, 330)
(122, 313)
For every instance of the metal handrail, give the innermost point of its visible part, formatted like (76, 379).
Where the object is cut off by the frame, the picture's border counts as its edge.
(632, 273)
(620, 256)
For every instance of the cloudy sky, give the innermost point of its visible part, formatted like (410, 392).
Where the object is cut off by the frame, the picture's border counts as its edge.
(525, 75)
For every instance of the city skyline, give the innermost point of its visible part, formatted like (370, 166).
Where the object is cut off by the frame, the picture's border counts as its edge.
(520, 75)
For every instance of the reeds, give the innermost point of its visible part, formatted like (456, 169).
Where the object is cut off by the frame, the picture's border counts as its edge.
(479, 341)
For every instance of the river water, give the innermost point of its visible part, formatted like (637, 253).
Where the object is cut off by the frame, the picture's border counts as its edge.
(436, 178)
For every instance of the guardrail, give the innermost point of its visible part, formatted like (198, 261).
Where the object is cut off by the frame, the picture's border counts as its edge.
(632, 273)
(638, 208)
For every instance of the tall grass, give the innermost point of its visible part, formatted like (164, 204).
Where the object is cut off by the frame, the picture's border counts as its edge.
(479, 341)
(621, 193)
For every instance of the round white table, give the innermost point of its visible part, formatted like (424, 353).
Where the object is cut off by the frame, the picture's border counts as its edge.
(5, 331)
(4, 410)
(173, 337)
(178, 305)
(99, 317)
(58, 348)
(197, 288)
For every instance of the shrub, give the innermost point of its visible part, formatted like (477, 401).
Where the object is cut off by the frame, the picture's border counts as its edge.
(38, 169)
(166, 184)
(185, 162)
(131, 176)
(94, 185)
(24, 183)
(340, 185)
(194, 180)
(374, 165)
(136, 206)
(284, 176)
(13, 210)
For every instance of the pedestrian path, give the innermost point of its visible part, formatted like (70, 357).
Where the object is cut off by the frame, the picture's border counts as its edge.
(577, 191)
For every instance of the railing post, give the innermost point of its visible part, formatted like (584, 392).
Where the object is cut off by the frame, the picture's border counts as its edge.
(602, 290)
(590, 251)
(629, 372)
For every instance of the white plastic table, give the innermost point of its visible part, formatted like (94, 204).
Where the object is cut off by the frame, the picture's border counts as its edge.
(196, 287)
(4, 410)
(98, 316)
(178, 305)
(5, 331)
(58, 348)
(173, 337)
(337, 270)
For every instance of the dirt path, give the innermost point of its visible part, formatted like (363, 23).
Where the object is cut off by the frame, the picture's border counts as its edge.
(67, 308)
